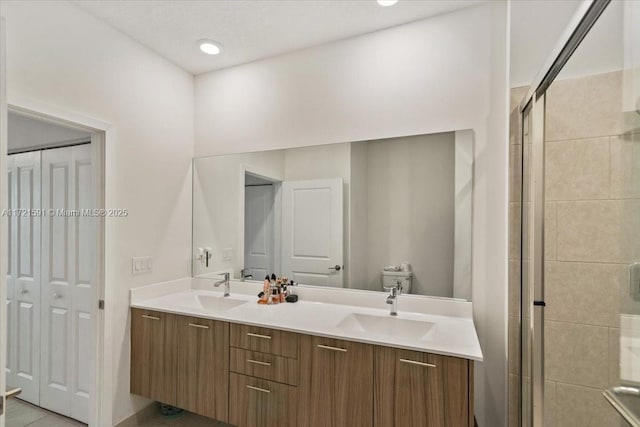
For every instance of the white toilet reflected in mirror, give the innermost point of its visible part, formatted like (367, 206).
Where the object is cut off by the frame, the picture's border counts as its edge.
(391, 278)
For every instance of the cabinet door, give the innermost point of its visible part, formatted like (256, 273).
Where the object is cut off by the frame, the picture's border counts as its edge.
(416, 389)
(203, 366)
(255, 402)
(336, 382)
(153, 358)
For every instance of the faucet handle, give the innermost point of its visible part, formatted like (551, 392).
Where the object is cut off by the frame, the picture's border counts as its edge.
(399, 286)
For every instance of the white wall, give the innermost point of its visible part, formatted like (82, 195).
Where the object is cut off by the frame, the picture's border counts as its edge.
(437, 75)
(359, 218)
(410, 208)
(60, 56)
(27, 133)
(536, 26)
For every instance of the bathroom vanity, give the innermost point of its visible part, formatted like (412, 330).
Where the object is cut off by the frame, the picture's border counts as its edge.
(312, 363)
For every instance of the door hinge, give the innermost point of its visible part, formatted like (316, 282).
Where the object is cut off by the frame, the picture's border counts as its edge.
(101, 304)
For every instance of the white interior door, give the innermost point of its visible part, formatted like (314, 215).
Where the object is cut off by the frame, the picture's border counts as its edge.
(259, 231)
(23, 276)
(67, 281)
(312, 231)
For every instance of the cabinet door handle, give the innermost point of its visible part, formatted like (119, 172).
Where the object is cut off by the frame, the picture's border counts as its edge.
(328, 347)
(195, 325)
(263, 390)
(257, 362)
(415, 362)
(251, 334)
(146, 316)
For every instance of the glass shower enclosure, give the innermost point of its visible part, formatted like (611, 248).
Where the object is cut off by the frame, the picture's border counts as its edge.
(577, 160)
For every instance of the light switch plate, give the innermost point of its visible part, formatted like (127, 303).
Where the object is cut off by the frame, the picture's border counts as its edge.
(227, 254)
(141, 265)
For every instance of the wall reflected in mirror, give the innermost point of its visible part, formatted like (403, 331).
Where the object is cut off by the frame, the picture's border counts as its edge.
(353, 215)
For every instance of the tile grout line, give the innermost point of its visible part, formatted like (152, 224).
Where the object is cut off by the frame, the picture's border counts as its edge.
(581, 324)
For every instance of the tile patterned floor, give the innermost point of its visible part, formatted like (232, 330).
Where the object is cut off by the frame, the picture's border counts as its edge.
(23, 414)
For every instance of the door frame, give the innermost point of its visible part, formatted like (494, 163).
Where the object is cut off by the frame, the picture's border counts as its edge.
(100, 401)
(3, 205)
(277, 208)
(269, 218)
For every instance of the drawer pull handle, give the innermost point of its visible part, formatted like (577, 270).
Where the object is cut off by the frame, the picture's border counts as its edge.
(328, 347)
(415, 362)
(146, 316)
(257, 362)
(251, 334)
(195, 325)
(263, 390)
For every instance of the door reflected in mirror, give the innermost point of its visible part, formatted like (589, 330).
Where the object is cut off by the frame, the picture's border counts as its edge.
(363, 215)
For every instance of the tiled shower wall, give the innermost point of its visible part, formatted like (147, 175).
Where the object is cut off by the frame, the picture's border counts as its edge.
(586, 259)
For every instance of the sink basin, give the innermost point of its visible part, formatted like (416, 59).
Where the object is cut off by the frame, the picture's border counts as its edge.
(218, 304)
(388, 326)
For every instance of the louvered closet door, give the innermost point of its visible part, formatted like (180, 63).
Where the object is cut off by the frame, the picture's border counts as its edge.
(23, 276)
(67, 282)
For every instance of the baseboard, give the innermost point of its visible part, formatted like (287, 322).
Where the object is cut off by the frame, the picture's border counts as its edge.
(141, 416)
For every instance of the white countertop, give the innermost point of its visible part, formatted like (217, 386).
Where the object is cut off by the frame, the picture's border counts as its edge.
(321, 311)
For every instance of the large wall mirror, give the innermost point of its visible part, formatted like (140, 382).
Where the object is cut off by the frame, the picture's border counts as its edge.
(352, 215)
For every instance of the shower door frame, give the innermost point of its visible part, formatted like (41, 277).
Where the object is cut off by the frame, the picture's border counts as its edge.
(534, 104)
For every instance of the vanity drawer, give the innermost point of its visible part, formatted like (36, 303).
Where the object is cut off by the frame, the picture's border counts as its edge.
(265, 340)
(262, 365)
(255, 402)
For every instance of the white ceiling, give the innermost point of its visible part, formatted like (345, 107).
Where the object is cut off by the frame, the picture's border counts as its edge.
(253, 29)
(536, 26)
(601, 51)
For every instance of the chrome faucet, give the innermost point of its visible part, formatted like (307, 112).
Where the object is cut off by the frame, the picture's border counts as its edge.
(392, 299)
(244, 276)
(227, 276)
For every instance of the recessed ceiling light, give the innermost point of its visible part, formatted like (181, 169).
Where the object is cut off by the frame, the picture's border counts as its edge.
(210, 47)
(386, 3)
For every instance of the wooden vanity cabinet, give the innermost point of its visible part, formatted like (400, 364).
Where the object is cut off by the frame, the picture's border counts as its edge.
(336, 383)
(153, 355)
(255, 402)
(259, 377)
(181, 361)
(264, 377)
(414, 389)
(265, 340)
(203, 366)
